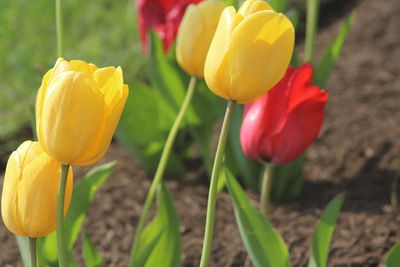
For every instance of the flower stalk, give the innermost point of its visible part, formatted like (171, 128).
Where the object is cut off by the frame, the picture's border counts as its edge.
(59, 27)
(212, 195)
(266, 188)
(32, 251)
(61, 246)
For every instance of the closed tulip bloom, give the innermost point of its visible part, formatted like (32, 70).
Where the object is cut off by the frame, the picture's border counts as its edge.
(250, 52)
(29, 199)
(195, 35)
(78, 107)
(283, 123)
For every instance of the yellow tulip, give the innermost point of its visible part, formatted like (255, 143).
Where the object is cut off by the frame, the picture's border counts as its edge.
(29, 199)
(78, 107)
(250, 52)
(195, 33)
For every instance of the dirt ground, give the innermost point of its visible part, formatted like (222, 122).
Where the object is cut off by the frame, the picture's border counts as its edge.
(357, 153)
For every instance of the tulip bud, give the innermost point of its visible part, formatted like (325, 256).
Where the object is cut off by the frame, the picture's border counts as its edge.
(283, 123)
(195, 34)
(250, 51)
(29, 199)
(78, 107)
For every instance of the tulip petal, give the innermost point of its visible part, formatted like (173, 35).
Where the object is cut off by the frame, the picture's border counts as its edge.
(215, 70)
(252, 6)
(110, 82)
(300, 130)
(252, 127)
(9, 198)
(30, 189)
(71, 115)
(82, 66)
(186, 46)
(260, 51)
(195, 35)
(107, 130)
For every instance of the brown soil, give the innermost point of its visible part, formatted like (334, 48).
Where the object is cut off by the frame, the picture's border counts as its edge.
(357, 153)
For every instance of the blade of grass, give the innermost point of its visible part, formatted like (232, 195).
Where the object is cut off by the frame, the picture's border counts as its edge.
(332, 53)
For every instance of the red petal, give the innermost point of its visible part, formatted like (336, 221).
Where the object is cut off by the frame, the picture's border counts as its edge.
(300, 130)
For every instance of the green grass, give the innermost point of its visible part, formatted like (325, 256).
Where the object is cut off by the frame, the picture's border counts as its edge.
(102, 32)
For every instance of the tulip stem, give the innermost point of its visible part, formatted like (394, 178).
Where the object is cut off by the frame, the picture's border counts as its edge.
(212, 195)
(266, 189)
(32, 250)
(311, 29)
(59, 27)
(62, 250)
(162, 165)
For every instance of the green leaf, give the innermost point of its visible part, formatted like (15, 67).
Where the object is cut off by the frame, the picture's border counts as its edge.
(160, 242)
(211, 109)
(264, 245)
(170, 79)
(332, 53)
(288, 180)
(279, 5)
(323, 234)
(231, 2)
(82, 196)
(393, 256)
(91, 256)
(221, 181)
(143, 139)
(23, 246)
(237, 162)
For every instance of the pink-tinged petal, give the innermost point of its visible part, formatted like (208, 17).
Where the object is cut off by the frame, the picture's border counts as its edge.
(251, 129)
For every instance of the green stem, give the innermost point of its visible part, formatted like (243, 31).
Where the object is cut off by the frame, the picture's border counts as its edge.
(162, 165)
(62, 249)
(212, 195)
(59, 27)
(32, 250)
(311, 29)
(266, 189)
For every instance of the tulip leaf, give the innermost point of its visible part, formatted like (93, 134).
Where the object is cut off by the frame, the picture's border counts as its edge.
(23, 246)
(231, 3)
(237, 162)
(264, 245)
(143, 139)
(332, 53)
(160, 242)
(323, 234)
(170, 79)
(280, 6)
(91, 256)
(83, 194)
(287, 180)
(393, 257)
(211, 108)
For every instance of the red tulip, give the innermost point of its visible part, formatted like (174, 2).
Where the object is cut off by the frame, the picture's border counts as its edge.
(163, 16)
(282, 124)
